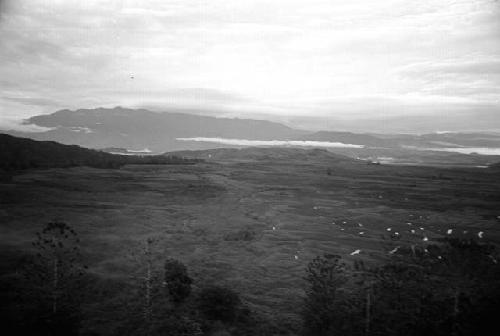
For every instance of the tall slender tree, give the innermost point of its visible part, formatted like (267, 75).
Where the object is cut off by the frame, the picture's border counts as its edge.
(56, 276)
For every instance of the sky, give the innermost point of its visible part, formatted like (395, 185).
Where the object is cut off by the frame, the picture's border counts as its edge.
(311, 63)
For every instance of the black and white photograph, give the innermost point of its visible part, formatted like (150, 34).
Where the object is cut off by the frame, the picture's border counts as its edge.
(249, 167)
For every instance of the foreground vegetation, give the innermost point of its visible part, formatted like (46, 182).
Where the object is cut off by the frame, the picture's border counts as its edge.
(448, 288)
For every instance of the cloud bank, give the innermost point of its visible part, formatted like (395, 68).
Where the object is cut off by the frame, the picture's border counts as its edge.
(332, 59)
(281, 143)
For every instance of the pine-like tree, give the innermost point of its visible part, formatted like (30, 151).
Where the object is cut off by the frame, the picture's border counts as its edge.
(56, 278)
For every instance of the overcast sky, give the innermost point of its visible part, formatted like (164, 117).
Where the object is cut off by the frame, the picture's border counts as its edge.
(301, 61)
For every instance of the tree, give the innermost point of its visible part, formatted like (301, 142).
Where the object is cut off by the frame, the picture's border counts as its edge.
(55, 277)
(177, 281)
(325, 308)
(148, 283)
(405, 298)
(469, 273)
(436, 290)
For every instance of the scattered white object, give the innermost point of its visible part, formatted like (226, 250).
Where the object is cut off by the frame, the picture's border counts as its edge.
(480, 234)
(439, 257)
(450, 231)
(379, 196)
(422, 228)
(344, 222)
(361, 233)
(426, 250)
(413, 231)
(394, 251)
(360, 225)
(342, 229)
(296, 257)
(465, 231)
(425, 239)
(408, 223)
(274, 228)
(315, 207)
(396, 233)
(493, 259)
(388, 229)
(356, 252)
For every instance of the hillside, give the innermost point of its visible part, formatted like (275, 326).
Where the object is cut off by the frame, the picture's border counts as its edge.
(273, 154)
(20, 153)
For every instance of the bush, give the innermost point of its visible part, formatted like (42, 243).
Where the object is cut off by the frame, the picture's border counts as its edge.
(177, 280)
(176, 326)
(241, 235)
(219, 304)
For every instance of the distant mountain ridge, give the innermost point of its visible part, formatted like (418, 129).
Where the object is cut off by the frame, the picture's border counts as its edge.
(139, 128)
(136, 129)
(431, 140)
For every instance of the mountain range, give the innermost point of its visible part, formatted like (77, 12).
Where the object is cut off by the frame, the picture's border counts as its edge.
(144, 130)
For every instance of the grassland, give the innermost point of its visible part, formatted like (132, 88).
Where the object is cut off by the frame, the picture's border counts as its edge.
(250, 224)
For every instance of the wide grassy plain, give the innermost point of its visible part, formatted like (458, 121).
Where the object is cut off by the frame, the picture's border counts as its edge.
(251, 224)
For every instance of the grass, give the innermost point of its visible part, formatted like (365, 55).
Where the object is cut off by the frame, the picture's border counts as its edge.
(201, 214)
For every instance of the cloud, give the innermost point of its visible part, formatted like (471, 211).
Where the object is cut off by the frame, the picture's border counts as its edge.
(354, 59)
(32, 101)
(281, 143)
(18, 125)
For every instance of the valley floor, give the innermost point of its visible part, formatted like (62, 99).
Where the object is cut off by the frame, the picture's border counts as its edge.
(251, 225)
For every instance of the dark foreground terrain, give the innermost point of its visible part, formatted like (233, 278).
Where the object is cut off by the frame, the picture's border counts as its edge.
(250, 222)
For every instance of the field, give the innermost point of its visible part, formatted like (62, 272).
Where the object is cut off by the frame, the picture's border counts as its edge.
(252, 224)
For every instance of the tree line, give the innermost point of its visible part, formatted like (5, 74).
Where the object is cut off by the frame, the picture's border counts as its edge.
(448, 288)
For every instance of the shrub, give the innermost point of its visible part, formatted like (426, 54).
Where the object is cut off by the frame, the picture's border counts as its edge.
(177, 280)
(219, 304)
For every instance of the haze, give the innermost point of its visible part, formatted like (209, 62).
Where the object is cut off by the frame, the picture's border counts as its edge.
(360, 65)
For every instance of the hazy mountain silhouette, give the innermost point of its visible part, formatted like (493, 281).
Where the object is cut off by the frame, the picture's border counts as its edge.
(139, 129)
